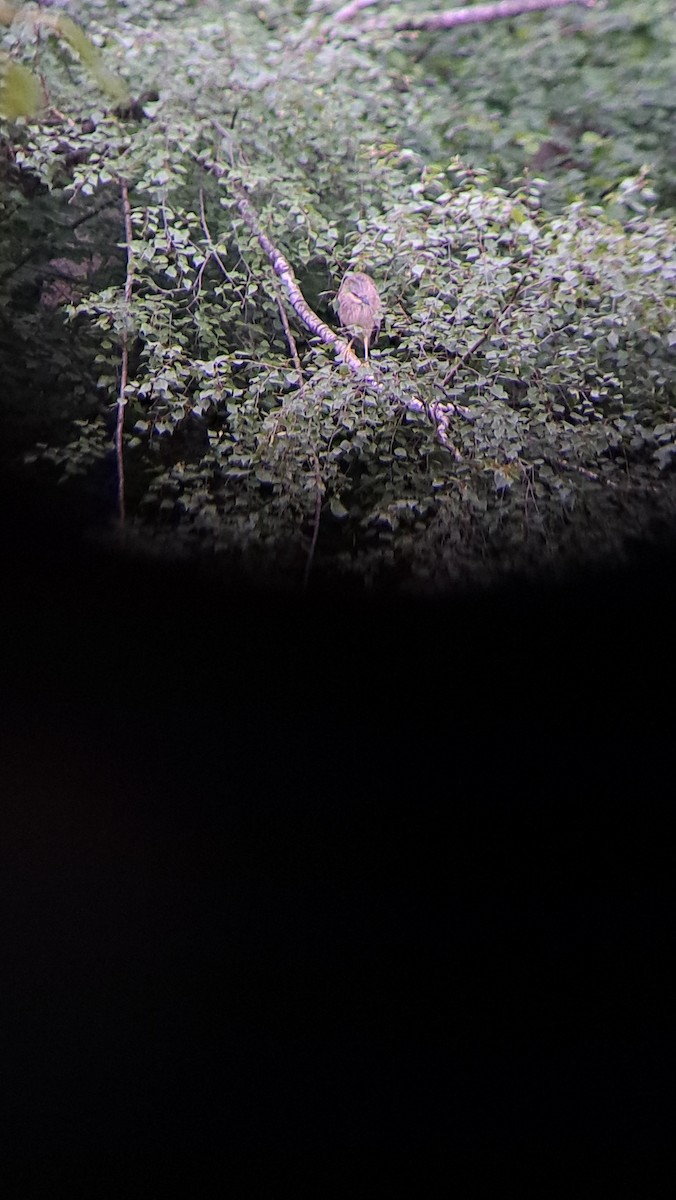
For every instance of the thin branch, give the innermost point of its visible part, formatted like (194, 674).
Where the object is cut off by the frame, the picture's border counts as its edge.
(315, 523)
(124, 366)
(470, 15)
(440, 412)
(87, 216)
(214, 252)
(493, 324)
(593, 476)
(318, 474)
(291, 341)
(293, 349)
(16, 267)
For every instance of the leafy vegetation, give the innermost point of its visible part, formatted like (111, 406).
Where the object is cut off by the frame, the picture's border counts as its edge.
(20, 94)
(510, 188)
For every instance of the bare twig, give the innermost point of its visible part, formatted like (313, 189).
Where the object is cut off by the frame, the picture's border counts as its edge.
(470, 15)
(124, 365)
(293, 349)
(291, 341)
(440, 412)
(318, 474)
(212, 249)
(592, 476)
(17, 266)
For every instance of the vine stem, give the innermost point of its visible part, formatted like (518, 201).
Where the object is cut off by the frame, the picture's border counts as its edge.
(124, 364)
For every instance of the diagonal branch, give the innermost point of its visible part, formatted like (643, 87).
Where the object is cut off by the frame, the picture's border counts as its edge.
(439, 414)
(284, 271)
(348, 11)
(470, 15)
(493, 324)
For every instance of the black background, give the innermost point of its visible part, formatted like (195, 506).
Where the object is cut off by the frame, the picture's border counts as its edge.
(316, 876)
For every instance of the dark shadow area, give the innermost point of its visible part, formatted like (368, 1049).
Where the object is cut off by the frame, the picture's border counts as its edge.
(308, 877)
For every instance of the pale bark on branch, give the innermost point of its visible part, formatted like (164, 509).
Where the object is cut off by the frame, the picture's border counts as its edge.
(471, 14)
(348, 11)
(285, 272)
(439, 414)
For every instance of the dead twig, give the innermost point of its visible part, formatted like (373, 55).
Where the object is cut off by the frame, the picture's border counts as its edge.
(291, 342)
(319, 483)
(592, 476)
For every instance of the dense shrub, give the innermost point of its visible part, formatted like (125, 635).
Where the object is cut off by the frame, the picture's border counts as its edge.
(510, 189)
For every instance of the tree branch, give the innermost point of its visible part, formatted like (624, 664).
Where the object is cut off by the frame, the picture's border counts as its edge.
(439, 414)
(494, 323)
(291, 341)
(348, 11)
(283, 269)
(471, 14)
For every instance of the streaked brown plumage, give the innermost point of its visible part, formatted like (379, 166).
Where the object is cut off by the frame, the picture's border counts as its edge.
(360, 308)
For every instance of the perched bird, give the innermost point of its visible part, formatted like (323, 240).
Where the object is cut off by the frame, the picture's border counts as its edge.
(360, 308)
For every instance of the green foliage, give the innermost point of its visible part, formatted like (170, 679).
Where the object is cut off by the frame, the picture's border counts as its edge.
(20, 91)
(542, 307)
(76, 38)
(583, 101)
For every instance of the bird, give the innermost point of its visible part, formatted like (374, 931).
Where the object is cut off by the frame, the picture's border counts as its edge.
(360, 308)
